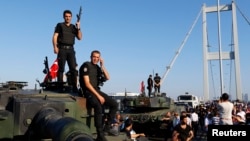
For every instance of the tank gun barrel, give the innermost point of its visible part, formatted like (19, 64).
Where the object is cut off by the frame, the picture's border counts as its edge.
(49, 123)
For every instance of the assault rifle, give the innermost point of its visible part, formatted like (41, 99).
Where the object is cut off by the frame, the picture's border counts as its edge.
(79, 14)
(46, 69)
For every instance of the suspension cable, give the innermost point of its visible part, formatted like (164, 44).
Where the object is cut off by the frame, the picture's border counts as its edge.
(242, 14)
(211, 68)
(180, 48)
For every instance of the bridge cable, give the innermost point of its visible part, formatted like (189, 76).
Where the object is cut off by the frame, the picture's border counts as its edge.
(243, 14)
(211, 66)
(180, 48)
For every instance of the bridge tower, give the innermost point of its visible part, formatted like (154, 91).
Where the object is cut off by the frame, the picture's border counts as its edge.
(220, 56)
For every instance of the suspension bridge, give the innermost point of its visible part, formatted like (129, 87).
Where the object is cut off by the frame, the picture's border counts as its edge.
(218, 55)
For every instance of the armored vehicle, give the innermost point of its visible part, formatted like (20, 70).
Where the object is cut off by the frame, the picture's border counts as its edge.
(45, 114)
(147, 113)
(31, 115)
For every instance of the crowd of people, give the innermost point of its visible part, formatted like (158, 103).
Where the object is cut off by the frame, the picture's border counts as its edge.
(221, 112)
(193, 124)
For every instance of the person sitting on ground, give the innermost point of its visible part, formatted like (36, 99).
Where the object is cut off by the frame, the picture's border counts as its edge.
(131, 134)
(116, 125)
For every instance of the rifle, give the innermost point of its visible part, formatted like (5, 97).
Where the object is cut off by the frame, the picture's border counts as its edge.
(46, 69)
(79, 14)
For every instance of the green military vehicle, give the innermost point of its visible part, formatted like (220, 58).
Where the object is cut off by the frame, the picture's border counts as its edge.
(32, 115)
(43, 114)
(147, 113)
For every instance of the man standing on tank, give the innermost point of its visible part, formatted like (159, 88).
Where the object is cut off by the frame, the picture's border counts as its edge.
(63, 42)
(91, 78)
(157, 82)
(150, 85)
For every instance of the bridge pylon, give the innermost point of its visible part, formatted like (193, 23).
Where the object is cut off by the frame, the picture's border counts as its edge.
(221, 56)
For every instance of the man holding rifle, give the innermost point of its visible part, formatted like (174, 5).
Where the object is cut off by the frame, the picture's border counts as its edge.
(63, 43)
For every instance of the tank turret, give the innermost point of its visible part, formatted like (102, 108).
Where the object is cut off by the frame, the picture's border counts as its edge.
(35, 116)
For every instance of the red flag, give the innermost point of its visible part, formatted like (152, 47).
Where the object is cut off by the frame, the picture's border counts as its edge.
(142, 87)
(52, 71)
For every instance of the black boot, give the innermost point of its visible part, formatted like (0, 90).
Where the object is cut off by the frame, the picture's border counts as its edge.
(106, 129)
(100, 135)
(75, 89)
(74, 83)
(61, 89)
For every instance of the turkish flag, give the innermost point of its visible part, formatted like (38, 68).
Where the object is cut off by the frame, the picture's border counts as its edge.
(142, 87)
(52, 71)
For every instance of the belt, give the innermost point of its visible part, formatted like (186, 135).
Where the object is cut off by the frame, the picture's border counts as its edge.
(66, 47)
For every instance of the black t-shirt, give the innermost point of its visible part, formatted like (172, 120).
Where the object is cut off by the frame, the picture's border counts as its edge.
(157, 79)
(150, 82)
(67, 34)
(183, 133)
(93, 71)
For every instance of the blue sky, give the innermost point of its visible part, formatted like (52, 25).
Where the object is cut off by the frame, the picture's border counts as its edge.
(136, 38)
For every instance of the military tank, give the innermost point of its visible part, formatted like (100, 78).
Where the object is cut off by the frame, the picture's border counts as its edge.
(43, 114)
(34, 116)
(147, 113)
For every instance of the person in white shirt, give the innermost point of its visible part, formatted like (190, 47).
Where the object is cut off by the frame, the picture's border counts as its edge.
(208, 121)
(240, 119)
(195, 121)
(131, 133)
(225, 108)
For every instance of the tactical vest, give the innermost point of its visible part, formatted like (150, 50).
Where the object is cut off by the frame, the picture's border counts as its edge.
(93, 74)
(67, 34)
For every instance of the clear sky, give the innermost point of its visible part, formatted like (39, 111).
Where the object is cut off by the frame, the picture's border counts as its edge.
(136, 38)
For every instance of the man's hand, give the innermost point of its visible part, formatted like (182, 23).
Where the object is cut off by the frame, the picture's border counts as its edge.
(56, 50)
(101, 62)
(78, 25)
(101, 99)
(142, 134)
